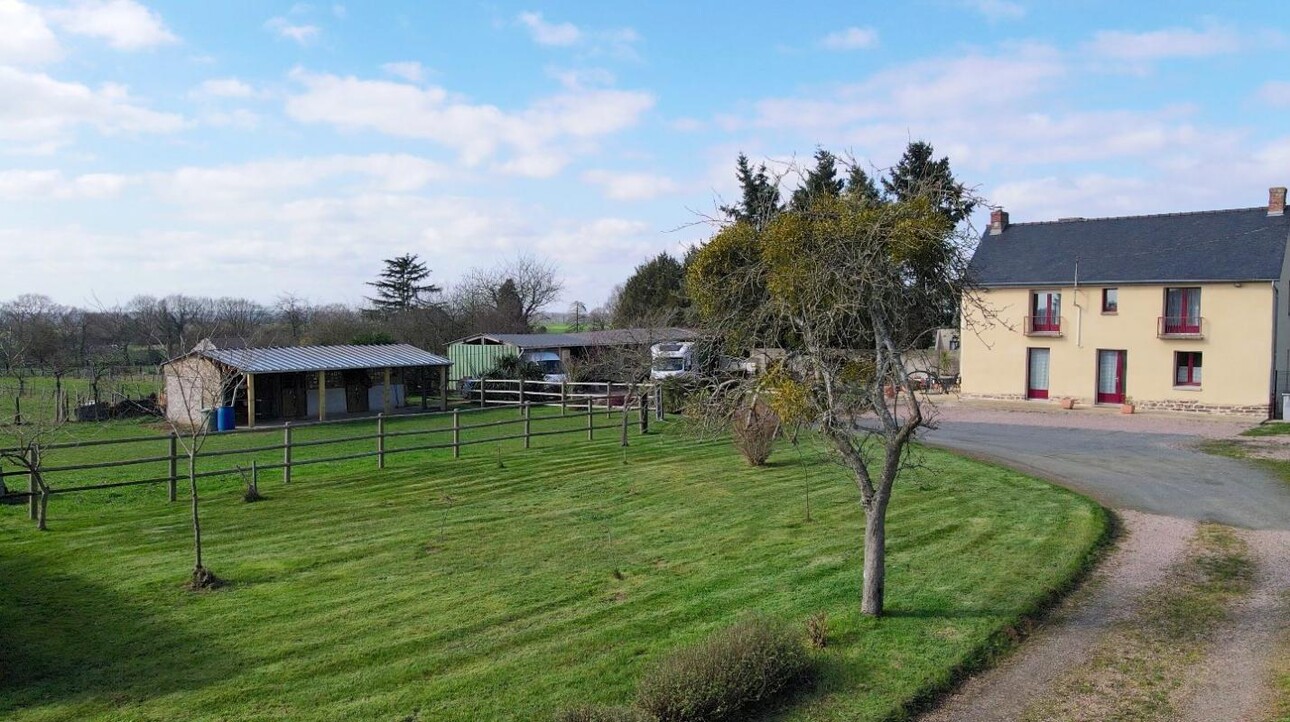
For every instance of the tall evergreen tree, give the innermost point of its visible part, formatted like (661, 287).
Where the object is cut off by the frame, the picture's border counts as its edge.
(919, 173)
(400, 287)
(653, 294)
(861, 187)
(510, 308)
(820, 181)
(759, 201)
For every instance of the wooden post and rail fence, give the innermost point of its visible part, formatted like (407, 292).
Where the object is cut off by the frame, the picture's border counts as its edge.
(574, 401)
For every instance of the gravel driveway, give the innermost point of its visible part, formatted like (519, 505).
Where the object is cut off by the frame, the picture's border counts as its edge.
(1139, 462)
(1146, 468)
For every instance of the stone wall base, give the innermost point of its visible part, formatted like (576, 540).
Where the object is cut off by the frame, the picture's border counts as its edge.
(1169, 405)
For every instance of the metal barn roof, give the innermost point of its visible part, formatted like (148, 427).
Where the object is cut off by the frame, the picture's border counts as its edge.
(291, 359)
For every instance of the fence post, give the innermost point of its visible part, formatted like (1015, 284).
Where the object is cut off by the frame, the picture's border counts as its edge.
(609, 391)
(33, 463)
(643, 403)
(380, 441)
(174, 467)
(483, 393)
(521, 392)
(528, 424)
(564, 398)
(456, 433)
(659, 413)
(286, 453)
(591, 418)
(623, 440)
(255, 475)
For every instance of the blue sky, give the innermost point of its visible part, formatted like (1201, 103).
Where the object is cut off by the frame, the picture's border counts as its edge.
(256, 148)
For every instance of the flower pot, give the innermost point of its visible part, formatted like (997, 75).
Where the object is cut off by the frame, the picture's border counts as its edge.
(1126, 408)
(1068, 403)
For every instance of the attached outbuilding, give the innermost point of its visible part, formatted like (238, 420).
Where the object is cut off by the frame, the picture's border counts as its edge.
(301, 382)
(554, 352)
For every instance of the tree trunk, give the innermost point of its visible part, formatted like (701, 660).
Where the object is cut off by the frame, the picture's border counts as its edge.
(197, 524)
(41, 510)
(875, 559)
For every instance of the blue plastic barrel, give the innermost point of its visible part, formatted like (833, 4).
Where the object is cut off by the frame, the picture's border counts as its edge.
(224, 420)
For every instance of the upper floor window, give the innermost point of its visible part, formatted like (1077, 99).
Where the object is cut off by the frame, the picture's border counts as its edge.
(1182, 311)
(1110, 300)
(1045, 313)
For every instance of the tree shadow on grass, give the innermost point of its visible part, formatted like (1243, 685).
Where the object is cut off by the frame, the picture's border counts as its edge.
(64, 638)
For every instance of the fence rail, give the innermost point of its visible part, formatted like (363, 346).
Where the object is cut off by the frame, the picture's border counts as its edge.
(623, 400)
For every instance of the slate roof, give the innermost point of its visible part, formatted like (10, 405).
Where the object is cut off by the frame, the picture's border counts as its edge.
(1243, 244)
(611, 337)
(292, 359)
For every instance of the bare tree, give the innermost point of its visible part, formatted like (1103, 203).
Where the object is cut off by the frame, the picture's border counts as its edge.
(294, 312)
(831, 284)
(535, 282)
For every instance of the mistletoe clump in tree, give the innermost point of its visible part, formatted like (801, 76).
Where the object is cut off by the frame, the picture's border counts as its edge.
(836, 281)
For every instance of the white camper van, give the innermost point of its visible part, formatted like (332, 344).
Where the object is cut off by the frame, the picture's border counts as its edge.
(671, 359)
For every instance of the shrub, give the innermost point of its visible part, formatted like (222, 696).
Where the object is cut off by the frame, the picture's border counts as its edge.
(817, 630)
(727, 676)
(754, 428)
(593, 713)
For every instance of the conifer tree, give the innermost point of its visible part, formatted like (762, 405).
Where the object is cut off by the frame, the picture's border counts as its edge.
(820, 181)
(759, 200)
(400, 287)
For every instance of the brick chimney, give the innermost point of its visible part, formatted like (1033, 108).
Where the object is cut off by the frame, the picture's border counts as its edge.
(1277, 201)
(999, 218)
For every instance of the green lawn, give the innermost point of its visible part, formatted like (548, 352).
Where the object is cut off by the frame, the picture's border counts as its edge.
(442, 589)
(37, 396)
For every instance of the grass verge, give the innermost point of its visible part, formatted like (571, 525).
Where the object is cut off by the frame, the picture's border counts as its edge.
(1132, 675)
(457, 590)
(1241, 449)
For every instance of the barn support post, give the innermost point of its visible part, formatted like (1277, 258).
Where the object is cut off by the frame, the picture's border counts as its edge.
(380, 439)
(385, 396)
(173, 481)
(322, 395)
(443, 388)
(250, 401)
(425, 389)
(286, 453)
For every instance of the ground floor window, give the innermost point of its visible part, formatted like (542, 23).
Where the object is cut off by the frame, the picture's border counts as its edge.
(1187, 368)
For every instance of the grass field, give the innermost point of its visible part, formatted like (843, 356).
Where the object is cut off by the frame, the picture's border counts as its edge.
(38, 392)
(442, 589)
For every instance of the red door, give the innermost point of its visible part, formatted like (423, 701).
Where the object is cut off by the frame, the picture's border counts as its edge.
(1110, 377)
(1037, 373)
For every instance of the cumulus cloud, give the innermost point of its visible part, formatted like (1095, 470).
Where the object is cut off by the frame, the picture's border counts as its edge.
(50, 110)
(630, 186)
(548, 33)
(302, 34)
(537, 137)
(1164, 44)
(25, 39)
(123, 24)
(852, 38)
(409, 70)
(223, 88)
(30, 185)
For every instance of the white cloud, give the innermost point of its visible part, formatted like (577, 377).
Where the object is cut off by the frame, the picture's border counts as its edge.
(124, 24)
(240, 118)
(27, 185)
(852, 38)
(631, 186)
(409, 70)
(1163, 44)
(995, 10)
(48, 110)
(1275, 93)
(25, 39)
(579, 78)
(223, 88)
(301, 34)
(546, 33)
(538, 136)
